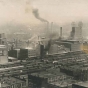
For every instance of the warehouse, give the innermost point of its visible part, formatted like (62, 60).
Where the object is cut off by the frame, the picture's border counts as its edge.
(50, 79)
(72, 45)
(79, 72)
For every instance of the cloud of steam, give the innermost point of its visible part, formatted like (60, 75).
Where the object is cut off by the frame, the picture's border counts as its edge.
(36, 14)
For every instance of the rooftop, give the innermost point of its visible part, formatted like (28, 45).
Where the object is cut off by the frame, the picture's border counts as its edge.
(84, 84)
(5, 82)
(63, 83)
(4, 85)
(12, 79)
(52, 73)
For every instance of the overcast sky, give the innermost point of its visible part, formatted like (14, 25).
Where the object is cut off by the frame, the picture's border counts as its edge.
(59, 11)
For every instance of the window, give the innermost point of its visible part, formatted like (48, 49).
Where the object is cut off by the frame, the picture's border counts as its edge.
(18, 85)
(12, 86)
(23, 84)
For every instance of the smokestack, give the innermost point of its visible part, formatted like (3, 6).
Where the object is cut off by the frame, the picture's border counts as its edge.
(41, 51)
(72, 34)
(60, 32)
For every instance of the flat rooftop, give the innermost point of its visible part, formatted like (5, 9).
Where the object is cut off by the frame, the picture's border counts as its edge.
(51, 73)
(84, 84)
(43, 75)
(5, 82)
(64, 83)
(4, 85)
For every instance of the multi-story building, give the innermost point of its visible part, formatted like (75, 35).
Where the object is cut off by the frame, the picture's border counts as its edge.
(11, 82)
(51, 78)
(76, 33)
(3, 54)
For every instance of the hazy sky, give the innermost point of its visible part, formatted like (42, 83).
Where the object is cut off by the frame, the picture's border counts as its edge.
(59, 11)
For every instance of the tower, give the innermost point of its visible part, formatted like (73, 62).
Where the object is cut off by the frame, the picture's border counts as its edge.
(60, 33)
(76, 33)
(72, 34)
(80, 25)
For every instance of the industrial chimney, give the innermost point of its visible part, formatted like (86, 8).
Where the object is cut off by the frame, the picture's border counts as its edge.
(72, 34)
(41, 51)
(60, 32)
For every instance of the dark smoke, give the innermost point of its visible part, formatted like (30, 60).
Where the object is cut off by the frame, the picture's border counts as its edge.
(36, 14)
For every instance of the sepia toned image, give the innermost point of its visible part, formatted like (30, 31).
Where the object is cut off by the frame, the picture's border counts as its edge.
(43, 43)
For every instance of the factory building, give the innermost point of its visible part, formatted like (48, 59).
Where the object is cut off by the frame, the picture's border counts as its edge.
(57, 49)
(29, 52)
(11, 82)
(75, 45)
(25, 53)
(46, 79)
(85, 47)
(63, 69)
(80, 25)
(70, 45)
(76, 33)
(14, 53)
(3, 54)
(79, 72)
(53, 49)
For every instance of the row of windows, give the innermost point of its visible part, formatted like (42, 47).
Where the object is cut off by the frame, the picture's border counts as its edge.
(18, 85)
(57, 78)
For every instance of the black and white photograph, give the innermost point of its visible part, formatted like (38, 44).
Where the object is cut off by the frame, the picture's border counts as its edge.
(43, 43)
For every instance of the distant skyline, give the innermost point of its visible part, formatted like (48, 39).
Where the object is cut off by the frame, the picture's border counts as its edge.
(58, 11)
(17, 15)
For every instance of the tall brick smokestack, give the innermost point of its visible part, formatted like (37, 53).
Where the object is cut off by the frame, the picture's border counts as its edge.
(60, 32)
(52, 33)
(73, 32)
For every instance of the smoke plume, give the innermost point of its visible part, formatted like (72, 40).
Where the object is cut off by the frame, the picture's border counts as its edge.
(36, 14)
